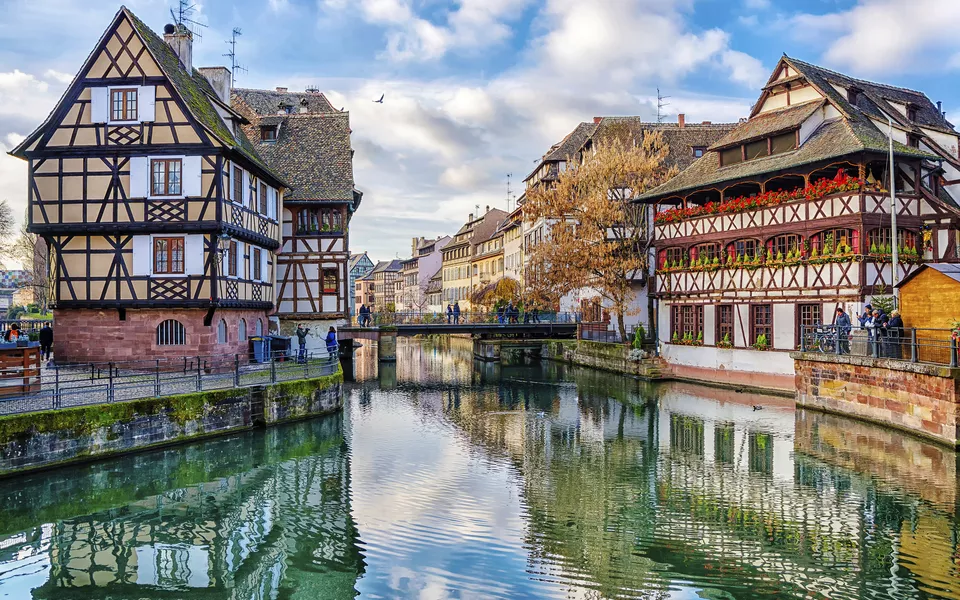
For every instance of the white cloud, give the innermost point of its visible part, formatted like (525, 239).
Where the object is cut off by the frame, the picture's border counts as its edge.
(876, 37)
(744, 68)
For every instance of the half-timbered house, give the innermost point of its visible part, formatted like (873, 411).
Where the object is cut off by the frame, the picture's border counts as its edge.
(159, 216)
(788, 217)
(307, 142)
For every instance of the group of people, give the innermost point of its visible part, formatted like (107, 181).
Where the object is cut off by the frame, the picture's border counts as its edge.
(453, 313)
(303, 332)
(510, 314)
(884, 332)
(364, 316)
(15, 334)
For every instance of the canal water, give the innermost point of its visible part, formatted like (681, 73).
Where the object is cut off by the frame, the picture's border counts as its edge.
(446, 478)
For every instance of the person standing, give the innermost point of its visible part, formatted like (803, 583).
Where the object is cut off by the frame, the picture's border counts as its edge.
(332, 342)
(894, 332)
(879, 322)
(843, 325)
(302, 341)
(46, 341)
(456, 313)
(866, 316)
(500, 312)
(361, 314)
(449, 313)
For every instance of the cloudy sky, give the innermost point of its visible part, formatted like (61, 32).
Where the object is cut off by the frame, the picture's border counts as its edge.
(477, 89)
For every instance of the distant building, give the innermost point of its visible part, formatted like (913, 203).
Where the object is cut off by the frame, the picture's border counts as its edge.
(360, 266)
(364, 292)
(385, 276)
(12, 285)
(458, 255)
(418, 271)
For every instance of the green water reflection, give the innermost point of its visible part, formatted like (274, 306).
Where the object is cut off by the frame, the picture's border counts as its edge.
(447, 478)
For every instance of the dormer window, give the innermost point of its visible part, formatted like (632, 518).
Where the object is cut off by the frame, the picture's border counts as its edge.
(768, 146)
(698, 151)
(268, 134)
(913, 140)
(853, 94)
(912, 112)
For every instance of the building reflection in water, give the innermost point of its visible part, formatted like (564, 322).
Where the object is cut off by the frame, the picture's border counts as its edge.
(259, 515)
(659, 489)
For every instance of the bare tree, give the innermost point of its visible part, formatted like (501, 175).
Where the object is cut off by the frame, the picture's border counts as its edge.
(30, 250)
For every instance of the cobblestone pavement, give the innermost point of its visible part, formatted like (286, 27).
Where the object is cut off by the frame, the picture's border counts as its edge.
(80, 385)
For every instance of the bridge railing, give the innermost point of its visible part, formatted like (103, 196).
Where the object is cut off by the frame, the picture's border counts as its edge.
(465, 317)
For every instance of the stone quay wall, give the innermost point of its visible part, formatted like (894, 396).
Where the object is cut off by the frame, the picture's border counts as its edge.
(45, 439)
(921, 399)
(604, 356)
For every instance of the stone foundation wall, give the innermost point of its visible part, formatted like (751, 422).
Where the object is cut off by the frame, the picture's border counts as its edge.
(922, 399)
(84, 335)
(51, 438)
(603, 356)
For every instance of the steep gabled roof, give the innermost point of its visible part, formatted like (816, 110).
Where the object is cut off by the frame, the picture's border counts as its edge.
(566, 148)
(193, 88)
(680, 140)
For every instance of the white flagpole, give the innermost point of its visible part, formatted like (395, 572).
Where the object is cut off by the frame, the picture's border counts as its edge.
(894, 254)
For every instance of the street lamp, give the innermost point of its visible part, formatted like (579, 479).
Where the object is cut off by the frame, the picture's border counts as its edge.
(223, 245)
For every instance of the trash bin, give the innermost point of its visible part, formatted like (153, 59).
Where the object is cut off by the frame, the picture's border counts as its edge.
(280, 347)
(260, 349)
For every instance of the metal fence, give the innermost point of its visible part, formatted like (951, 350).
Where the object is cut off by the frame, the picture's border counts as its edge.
(62, 386)
(436, 318)
(932, 346)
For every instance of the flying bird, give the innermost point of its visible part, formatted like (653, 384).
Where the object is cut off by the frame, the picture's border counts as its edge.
(380, 101)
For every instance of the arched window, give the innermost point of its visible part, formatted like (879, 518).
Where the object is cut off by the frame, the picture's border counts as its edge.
(746, 249)
(782, 245)
(171, 333)
(242, 330)
(259, 328)
(878, 240)
(705, 251)
(222, 332)
(835, 241)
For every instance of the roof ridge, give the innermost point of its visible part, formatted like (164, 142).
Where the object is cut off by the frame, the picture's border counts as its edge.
(857, 79)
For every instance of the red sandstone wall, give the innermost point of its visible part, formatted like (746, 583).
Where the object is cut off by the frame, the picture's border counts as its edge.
(919, 398)
(82, 335)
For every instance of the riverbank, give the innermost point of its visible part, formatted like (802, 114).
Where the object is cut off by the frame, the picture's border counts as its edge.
(46, 439)
(615, 358)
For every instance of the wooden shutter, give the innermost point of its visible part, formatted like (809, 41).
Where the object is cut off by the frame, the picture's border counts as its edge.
(146, 103)
(142, 255)
(263, 266)
(192, 176)
(855, 241)
(99, 104)
(193, 254)
(663, 258)
(139, 176)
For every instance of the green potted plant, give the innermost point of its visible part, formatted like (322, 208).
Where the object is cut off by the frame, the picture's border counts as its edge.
(725, 342)
(761, 343)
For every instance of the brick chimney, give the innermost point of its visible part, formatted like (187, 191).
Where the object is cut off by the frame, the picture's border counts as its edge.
(469, 217)
(413, 247)
(681, 120)
(596, 120)
(180, 39)
(707, 123)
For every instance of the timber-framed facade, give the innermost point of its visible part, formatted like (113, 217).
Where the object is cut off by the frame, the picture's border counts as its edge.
(160, 217)
(788, 217)
(307, 142)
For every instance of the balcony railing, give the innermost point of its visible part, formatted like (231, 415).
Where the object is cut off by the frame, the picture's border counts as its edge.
(929, 346)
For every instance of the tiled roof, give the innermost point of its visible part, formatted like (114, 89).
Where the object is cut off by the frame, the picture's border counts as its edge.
(268, 102)
(680, 140)
(312, 153)
(572, 143)
(386, 265)
(195, 90)
(768, 123)
(874, 96)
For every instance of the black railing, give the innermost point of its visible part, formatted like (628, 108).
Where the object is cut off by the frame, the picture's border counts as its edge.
(595, 332)
(931, 346)
(438, 318)
(62, 386)
(25, 325)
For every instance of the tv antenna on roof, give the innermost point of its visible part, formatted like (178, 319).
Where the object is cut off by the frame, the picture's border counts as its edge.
(232, 55)
(660, 105)
(510, 194)
(182, 17)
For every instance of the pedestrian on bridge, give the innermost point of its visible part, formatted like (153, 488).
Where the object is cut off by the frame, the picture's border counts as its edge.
(456, 313)
(302, 342)
(332, 342)
(500, 313)
(449, 313)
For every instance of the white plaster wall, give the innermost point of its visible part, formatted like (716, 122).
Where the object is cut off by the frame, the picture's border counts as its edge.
(898, 134)
(735, 359)
(784, 325)
(804, 94)
(948, 142)
(663, 322)
(709, 325)
(774, 102)
(812, 123)
(741, 324)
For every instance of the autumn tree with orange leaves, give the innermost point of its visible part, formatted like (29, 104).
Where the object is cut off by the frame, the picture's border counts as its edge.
(597, 237)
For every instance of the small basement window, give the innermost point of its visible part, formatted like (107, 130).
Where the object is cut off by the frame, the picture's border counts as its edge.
(171, 333)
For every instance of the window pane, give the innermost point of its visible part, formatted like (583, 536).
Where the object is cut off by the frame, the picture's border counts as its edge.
(176, 247)
(131, 113)
(237, 184)
(731, 156)
(263, 198)
(160, 256)
(173, 178)
(117, 106)
(157, 177)
(756, 149)
(784, 143)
